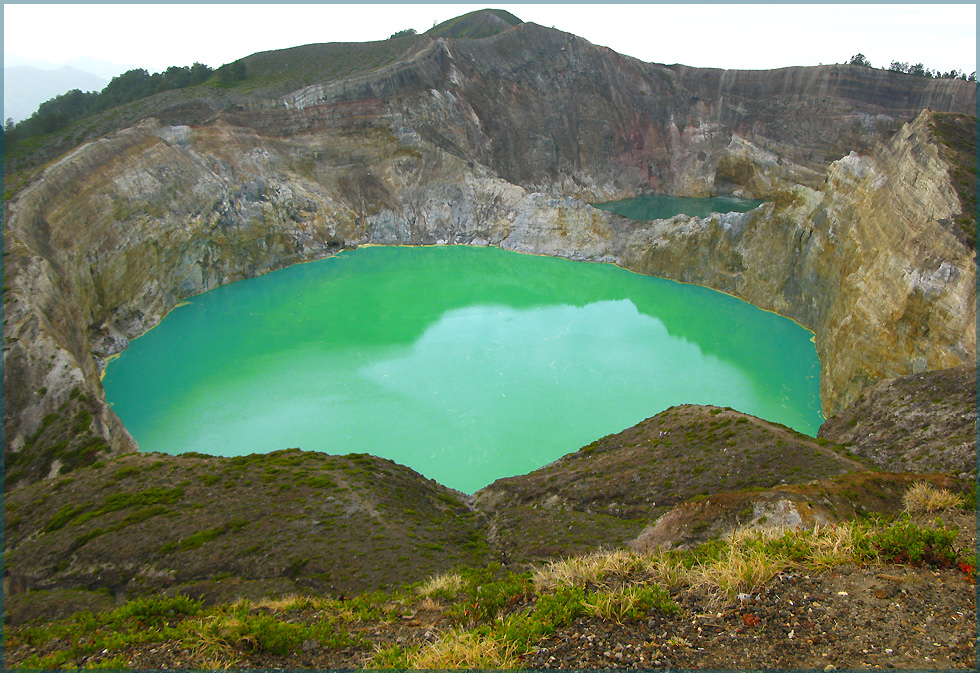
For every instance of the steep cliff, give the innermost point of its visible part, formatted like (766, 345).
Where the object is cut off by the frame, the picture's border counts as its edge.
(870, 261)
(478, 141)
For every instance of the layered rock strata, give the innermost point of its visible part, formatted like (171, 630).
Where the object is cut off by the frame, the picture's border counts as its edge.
(869, 262)
(469, 142)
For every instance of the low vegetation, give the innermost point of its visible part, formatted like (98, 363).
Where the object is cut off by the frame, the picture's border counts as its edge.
(60, 111)
(750, 557)
(607, 492)
(490, 617)
(915, 423)
(475, 25)
(184, 95)
(206, 525)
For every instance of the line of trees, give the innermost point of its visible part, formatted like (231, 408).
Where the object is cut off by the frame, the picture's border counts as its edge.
(60, 111)
(917, 69)
(403, 33)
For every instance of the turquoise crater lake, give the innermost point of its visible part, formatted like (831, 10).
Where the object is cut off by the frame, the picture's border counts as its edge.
(662, 207)
(466, 364)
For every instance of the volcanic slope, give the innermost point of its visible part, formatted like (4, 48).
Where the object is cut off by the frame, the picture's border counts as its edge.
(264, 75)
(606, 492)
(919, 422)
(225, 528)
(302, 522)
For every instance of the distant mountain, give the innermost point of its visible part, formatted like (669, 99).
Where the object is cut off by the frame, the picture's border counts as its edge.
(25, 87)
(10, 60)
(105, 69)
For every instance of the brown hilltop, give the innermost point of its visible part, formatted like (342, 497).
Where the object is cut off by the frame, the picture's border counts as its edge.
(605, 492)
(226, 528)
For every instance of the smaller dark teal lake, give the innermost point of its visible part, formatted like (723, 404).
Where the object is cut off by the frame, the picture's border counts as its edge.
(665, 207)
(466, 364)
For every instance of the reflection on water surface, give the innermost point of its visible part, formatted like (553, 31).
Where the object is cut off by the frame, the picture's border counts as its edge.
(466, 364)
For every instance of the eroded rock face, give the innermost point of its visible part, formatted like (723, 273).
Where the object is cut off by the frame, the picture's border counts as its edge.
(867, 261)
(478, 142)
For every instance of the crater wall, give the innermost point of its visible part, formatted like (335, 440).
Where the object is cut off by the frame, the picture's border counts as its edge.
(471, 142)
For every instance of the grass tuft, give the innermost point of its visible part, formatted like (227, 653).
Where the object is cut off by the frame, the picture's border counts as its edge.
(444, 586)
(923, 498)
(634, 602)
(738, 570)
(466, 649)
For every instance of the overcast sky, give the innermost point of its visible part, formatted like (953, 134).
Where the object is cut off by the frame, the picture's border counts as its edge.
(731, 36)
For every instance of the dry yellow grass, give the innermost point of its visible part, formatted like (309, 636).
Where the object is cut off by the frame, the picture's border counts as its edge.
(214, 640)
(751, 557)
(923, 498)
(286, 603)
(568, 572)
(592, 569)
(429, 604)
(739, 570)
(831, 545)
(621, 562)
(460, 649)
(613, 605)
(447, 583)
(664, 569)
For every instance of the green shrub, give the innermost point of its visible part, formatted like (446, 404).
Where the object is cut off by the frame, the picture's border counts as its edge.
(122, 473)
(634, 602)
(152, 612)
(392, 657)
(150, 496)
(85, 537)
(560, 607)
(82, 422)
(484, 596)
(319, 482)
(201, 537)
(142, 515)
(63, 516)
(970, 497)
(906, 542)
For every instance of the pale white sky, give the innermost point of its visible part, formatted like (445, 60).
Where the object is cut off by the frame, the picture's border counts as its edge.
(731, 36)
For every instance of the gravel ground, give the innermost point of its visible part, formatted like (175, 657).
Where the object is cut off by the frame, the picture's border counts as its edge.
(887, 617)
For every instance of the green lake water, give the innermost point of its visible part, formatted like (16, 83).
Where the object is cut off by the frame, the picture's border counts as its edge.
(665, 207)
(466, 364)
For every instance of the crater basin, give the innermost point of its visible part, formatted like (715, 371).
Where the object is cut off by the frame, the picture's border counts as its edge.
(467, 364)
